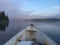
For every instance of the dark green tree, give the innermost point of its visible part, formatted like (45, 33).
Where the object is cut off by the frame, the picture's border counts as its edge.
(3, 17)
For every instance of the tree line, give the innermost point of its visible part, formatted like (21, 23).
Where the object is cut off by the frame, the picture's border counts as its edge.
(3, 17)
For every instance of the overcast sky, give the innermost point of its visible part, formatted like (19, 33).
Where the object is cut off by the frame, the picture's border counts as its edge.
(21, 9)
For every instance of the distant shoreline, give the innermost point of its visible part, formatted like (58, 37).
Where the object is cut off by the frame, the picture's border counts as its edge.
(44, 20)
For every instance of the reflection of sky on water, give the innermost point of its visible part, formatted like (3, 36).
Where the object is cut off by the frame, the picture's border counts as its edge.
(52, 31)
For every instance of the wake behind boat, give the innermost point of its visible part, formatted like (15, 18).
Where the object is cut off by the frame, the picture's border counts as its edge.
(31, 36)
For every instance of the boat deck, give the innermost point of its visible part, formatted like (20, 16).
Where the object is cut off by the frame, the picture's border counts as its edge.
(31, 36)
(35, 43)
(29, 43)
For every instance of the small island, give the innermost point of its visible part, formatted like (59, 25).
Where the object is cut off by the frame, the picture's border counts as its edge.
(4, 21)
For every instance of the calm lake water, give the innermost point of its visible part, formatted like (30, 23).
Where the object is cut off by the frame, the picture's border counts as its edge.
(52, 29)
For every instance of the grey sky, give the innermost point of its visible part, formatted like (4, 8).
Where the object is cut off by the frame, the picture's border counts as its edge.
(16, 9)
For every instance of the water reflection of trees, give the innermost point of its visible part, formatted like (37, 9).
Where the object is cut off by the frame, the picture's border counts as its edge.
(4, 21)
(3, 26)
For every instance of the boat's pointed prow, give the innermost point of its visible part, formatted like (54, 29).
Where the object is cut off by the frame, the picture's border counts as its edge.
(31, 27)
(31, 24)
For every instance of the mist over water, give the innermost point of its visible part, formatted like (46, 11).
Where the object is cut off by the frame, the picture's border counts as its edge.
(52, 29)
